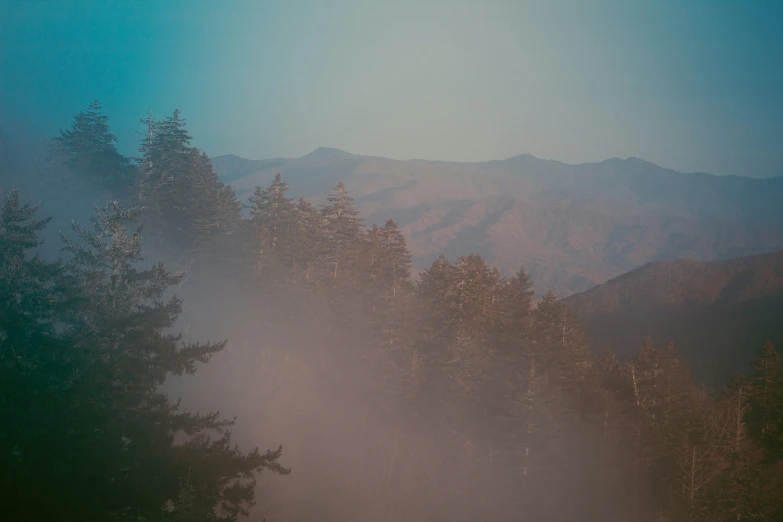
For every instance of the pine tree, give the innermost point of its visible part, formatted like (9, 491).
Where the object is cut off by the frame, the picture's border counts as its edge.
(464, 296)
(435, 288)
(36, 368)
(110, 449)
(29, 297)
(344, 234)
(612, 415)
(28, 287)
(387, 298)
(26, 281)
(373, 293)
(308, 247)
(372, 254)
(736, 496)
(461, 358)
(517, 305)
(147, 180)
(395, 270)
(181, 192)
(165, 164)
(394, 287)
(765, 404)
(696, 457)
(89, 149)
(273, 218)
(210, 207)
(556, 326)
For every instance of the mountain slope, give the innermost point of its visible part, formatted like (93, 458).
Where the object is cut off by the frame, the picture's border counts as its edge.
(571, 226)
(718, 314)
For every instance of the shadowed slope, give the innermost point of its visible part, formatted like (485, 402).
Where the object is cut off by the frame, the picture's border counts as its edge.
(718, 314)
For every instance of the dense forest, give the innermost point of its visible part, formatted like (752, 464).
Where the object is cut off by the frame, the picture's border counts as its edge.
(458, 396)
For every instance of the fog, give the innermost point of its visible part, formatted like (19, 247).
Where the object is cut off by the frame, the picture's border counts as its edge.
(327, 396)
(387, 372)
(371, 396)
(365, 433)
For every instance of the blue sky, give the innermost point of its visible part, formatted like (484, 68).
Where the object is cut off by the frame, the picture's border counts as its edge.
(692, 85)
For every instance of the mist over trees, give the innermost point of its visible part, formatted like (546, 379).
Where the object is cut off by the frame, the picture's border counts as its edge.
(84, 351)
(456, 396)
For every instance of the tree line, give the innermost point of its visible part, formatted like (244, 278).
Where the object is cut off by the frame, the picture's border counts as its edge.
(527, 421)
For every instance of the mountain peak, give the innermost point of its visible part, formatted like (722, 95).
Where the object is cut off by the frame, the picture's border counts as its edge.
(528, 161)
(523, 157)
(633, 160)
(326, 153)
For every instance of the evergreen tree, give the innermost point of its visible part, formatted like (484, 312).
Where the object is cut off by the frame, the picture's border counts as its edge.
(507, 391)
(210, 206)
(89, 149)
(36, 370)
(696, 458)
(765, 403)
(395, 269)
(463, 296)
(165, 165)
(517, 305)
(392, 289)
(373, 293)
(308, 242)
(736, 496)
(30, 289)
(26, 281)
(179, 188)
(435, 288)
(344, 234)
(612, 413)
(373, 253)
(556, 327)
(273, 217)
(94, 431)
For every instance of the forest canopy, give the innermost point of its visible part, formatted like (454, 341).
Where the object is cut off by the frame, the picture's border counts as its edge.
(473, 399)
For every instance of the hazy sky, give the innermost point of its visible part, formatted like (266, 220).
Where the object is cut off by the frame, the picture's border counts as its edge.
(691, 85)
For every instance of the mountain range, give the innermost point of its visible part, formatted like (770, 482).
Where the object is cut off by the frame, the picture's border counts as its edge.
(572, 227)
(717, 314)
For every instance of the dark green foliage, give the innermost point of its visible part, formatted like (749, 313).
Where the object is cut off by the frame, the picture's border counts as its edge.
(33, 369)
(187, 206)
(89, 151)
(84, 419)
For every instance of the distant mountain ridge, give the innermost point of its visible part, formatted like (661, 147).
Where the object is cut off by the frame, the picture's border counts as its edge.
(686, 282)
(571, 226)
(231, 167)
(325, 153)
(718, 314)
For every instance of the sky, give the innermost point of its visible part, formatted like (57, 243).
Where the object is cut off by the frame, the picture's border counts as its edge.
(687, 84)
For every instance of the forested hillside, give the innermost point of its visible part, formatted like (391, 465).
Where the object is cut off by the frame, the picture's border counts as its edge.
(716, 313)
(571, 226)
(451, 397)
